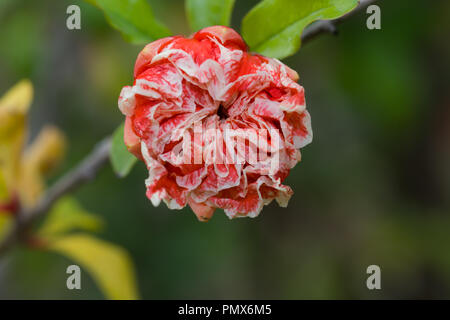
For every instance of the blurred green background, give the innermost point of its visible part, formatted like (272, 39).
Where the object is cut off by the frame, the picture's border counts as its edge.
(372, 188)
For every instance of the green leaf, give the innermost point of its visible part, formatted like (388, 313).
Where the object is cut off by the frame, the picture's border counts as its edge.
(68, 215)
(274, 27)
(133, 18)
(109, 265)
(122, 160)
(205, 13)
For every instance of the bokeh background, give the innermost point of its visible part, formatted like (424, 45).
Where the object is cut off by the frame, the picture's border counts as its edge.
(372, 188)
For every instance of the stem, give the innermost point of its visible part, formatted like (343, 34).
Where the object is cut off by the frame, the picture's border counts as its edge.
(329, 26)
(82, 173)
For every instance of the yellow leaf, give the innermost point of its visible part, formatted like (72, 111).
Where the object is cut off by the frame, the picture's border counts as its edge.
(5, 224)
(44, 154)
(109, 265)
(47, 150)
(18, 98)
(30, 186)
(3, 188)
(14, 106)
(67, 215)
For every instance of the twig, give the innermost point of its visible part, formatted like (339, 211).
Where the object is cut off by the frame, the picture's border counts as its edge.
(81, 174)
(89, 167)
(329, 26)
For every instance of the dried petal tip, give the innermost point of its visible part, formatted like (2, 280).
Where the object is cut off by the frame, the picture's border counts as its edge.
(202, 211)
(131, 140)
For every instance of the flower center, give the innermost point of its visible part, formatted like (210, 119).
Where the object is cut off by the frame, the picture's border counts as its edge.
(222, 112)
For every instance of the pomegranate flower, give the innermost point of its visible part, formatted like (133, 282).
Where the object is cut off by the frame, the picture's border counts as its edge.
(217, 126)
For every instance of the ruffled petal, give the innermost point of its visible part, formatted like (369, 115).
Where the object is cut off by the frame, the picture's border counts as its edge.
(217, 126)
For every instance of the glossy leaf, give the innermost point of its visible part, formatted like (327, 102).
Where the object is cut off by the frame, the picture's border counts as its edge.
(274, 27)
(67, 215)
(133, 18)
(205, 13)
(109, 265)
(122, 160)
